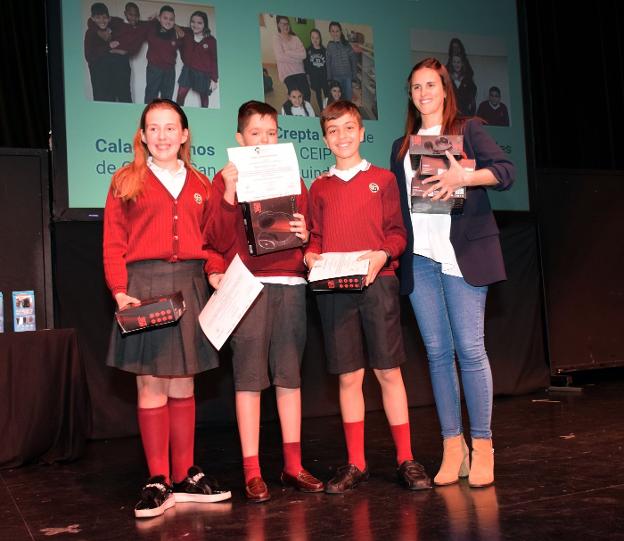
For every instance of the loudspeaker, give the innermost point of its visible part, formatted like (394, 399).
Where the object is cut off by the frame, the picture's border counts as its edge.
(25, 231)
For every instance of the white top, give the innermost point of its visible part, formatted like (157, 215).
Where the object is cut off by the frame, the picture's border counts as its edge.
(347, 174)
(299, 111)
(173, 182)
(432, 232)
(283, 280)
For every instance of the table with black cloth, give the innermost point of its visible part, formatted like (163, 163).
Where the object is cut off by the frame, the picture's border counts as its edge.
(44, 407)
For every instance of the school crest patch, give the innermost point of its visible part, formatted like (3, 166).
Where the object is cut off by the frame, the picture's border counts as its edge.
(374, 188)
(198, 198)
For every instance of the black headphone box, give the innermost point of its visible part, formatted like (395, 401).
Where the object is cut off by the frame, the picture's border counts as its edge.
(347, 284)
(267, 224)
(151, 313)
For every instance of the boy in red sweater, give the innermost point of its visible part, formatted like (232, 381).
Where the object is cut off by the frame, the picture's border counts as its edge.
(272, 334)
(356, 207)
(109, 68)
(162, 52)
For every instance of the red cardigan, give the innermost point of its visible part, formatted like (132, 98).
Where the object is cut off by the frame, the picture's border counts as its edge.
(130, 37)
(94, 46)
(200, 56)
(157, 226)
(232, 239)
(363, 213)
(161, 52)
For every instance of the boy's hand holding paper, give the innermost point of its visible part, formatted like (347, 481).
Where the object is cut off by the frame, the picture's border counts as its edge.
(339, 270)
(228, 304)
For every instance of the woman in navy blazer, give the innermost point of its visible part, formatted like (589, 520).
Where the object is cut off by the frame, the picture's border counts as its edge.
(449, 262)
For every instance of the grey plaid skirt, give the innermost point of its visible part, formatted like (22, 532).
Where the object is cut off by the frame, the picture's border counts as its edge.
(180, 349)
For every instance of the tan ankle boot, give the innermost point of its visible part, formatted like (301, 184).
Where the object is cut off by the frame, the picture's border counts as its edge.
(454, 462)
(482, 463)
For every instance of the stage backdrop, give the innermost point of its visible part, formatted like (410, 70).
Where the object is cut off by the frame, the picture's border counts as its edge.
(92, 139)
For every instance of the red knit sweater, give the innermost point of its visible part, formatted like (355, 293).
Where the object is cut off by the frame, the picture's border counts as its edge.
(157, 226)
(130, 37)
(161, 52)
(200, 56)
(94, 46)
(363, 213)
(233, 241)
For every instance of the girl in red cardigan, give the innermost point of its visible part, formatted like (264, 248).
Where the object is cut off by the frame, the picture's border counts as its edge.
(157, 212)
(199, 54)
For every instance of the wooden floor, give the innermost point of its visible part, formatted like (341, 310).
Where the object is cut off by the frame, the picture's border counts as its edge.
(559, 475)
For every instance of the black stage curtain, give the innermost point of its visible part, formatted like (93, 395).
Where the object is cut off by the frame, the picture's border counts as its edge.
(582, 253)
(513, 336)
(43, 403)
(574, 91)
(24, 107)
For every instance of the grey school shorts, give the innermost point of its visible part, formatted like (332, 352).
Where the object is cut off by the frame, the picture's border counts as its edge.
(372, 316)
(271, 338)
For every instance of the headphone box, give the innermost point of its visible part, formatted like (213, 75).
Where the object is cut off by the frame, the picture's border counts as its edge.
(267, 224)
(343, 283)
(151, 313)
(434, 145)
(430, 166)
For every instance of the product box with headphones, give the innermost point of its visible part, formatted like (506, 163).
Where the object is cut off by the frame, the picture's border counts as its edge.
(267, 224)
(151, 313)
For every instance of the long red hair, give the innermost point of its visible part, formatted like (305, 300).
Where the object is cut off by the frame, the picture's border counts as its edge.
(452, 123)
(129, 182)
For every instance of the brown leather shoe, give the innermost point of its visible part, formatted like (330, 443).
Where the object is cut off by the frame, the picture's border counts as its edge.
(257, 491)
(346, 478)
(303, 481)
(413, 476)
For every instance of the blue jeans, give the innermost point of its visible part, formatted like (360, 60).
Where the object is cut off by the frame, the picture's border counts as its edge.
(450, 314)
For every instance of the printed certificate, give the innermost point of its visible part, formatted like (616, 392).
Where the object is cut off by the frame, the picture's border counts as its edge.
(337, 264)
(265, 171)
(228, 304)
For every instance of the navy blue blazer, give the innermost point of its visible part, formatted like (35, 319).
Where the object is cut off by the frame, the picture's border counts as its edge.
(474, 233)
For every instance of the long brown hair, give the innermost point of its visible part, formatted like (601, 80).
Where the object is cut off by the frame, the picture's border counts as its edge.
(452, 123)
(279, 18)
(128, 183)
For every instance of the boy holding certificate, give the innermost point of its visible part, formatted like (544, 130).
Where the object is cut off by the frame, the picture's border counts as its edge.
(356, 207)
(272, 334)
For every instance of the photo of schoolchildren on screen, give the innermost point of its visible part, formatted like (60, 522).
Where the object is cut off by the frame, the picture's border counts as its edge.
(309, 63)
(138, 51)
(478, 68)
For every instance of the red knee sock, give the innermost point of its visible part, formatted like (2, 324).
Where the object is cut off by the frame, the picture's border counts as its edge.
(292, 458)
(354, 435)
(182, 92)
(181, 435)
(402, 442)
(154, 428)
(251, 467)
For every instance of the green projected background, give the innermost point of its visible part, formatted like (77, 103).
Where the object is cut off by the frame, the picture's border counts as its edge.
(398, 32)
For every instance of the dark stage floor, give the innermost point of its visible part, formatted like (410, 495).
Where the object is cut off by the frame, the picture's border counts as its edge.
(559, 473)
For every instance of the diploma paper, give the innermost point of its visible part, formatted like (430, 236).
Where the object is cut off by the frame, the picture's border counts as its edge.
(265, 171)
(337, 264)
(228, 304)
